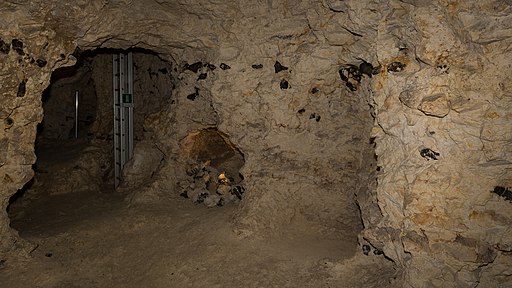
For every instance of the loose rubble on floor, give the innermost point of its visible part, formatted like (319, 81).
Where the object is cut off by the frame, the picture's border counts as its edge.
(211, 187)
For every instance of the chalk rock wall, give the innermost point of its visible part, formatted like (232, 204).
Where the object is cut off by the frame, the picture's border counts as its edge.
(452, 97)
(437, 114)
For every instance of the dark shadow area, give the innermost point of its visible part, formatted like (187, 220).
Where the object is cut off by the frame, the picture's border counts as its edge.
(74, 147)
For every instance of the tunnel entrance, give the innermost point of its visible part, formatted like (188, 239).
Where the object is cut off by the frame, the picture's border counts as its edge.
(74, 146)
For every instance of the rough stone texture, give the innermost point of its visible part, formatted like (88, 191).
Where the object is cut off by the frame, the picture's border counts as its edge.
(437, 220)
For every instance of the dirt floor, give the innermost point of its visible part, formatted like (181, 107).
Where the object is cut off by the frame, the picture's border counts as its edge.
(94, 239)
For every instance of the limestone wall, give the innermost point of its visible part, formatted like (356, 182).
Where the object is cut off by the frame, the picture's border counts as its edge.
(443, 85)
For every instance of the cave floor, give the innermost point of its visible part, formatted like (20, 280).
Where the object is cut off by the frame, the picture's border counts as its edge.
(94, 239)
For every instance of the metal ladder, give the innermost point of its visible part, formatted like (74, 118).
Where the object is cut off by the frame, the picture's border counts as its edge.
(122, 85)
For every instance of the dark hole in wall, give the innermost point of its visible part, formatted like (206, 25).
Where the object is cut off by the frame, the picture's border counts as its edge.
(214, 171)
(214, 146)
(69, 165)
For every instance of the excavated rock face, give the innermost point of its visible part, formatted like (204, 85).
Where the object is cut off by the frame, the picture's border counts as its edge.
(438, 105)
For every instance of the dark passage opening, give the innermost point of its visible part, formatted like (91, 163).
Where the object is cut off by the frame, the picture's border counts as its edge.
(76, 170)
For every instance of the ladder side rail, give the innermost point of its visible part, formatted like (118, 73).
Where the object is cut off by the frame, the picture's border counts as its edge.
(130, 119)
(116, 106)
(122, 90)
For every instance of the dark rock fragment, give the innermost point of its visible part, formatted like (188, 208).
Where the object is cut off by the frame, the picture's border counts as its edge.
(302, 110)
(366, 68)
(283, 84)
(377, 252)
(314, 90)
(351, 75)
(238, 191)
(315, 117)
(163, 71)
(278, 67)
(211, 66)
(22, 89)
(17, 46)
(396, 67)
(41, 62)
(4, 47)
(202, 196)
(202, 76)
(503, 192)
(351, 86)
(194, 95)
(257, 66)
(224, 66)
(366, 249)
(194, 67)
(48, 255)
(429, 154)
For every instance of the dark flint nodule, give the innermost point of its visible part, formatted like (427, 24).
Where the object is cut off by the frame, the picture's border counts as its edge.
(366, 249)
(224, 66)
(211, 66)
(283, 84)
(22, 89)
(302, 110)
(4, 47)
(278, 67)
(257, 66)
(194, 95)
(41, 62)
(351, 86)
(314, 90)
(366, 68)
(396, 67)
(194, 67)
(17, 46)
(429, 154)
(503, 192)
